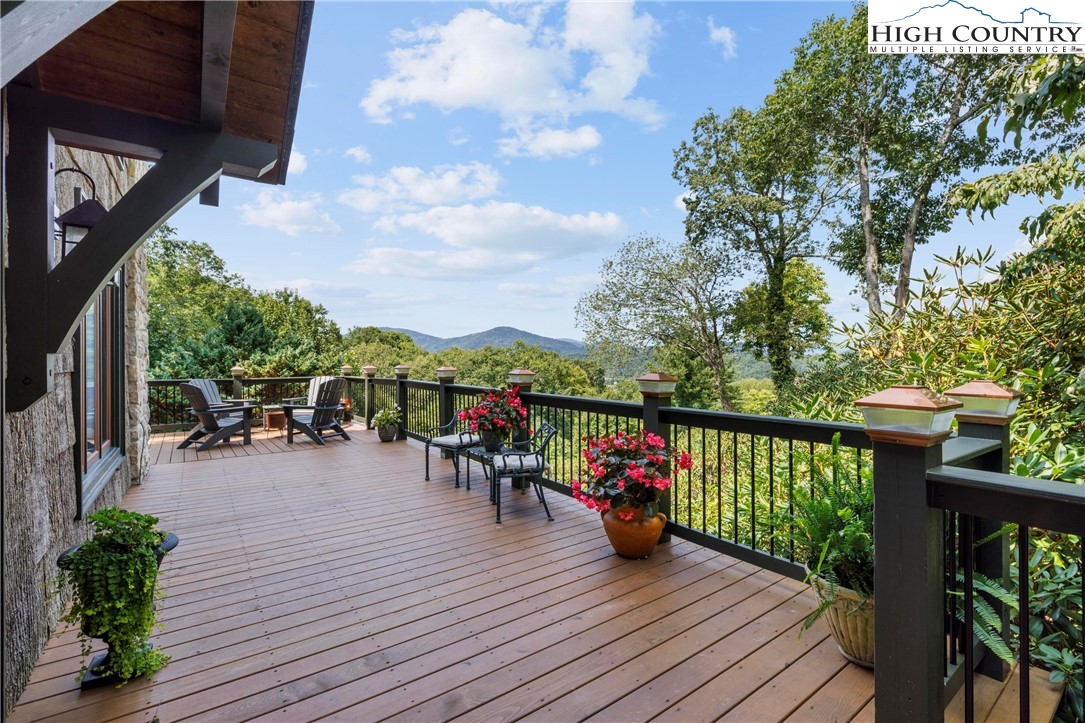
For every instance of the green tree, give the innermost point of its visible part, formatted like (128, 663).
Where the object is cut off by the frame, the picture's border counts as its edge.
(657, 294)
(805, 296)
(756, 192)
(897, 128)
(1047, 91)
(188, 286)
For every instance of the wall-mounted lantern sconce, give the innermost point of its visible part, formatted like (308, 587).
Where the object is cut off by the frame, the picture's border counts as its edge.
(78, 222)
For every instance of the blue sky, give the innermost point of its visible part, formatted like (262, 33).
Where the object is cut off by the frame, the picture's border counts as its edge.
(463, 166)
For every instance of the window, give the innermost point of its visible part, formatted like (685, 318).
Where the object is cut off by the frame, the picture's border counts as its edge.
(98, 392)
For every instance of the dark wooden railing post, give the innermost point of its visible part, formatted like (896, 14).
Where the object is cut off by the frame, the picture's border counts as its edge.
(370, 373)
(522, 379)
(237, 372)
(347, 371)
(987, 413)
(401, 371)
(446, 400)
(907, 426)
(657, 390)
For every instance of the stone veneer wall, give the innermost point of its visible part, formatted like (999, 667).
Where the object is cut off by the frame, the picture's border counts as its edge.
(39, 468)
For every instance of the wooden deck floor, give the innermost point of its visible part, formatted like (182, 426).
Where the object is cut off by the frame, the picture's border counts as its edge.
(336, 583)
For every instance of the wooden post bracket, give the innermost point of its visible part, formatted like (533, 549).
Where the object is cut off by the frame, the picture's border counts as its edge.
(45, 302)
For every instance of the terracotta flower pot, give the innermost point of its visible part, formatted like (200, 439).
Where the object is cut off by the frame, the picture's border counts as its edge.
(635, 538)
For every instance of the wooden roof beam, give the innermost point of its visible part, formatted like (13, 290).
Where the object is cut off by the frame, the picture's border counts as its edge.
(29, 30)
(219, 19)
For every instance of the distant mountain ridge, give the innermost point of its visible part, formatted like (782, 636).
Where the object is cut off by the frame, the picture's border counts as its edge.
(499, 336)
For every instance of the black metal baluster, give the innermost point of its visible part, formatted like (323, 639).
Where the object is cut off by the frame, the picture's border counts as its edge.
(791, 495)
(969, 678)
(772, 494)
(753, 492)
(734, 483)
(1023, 608)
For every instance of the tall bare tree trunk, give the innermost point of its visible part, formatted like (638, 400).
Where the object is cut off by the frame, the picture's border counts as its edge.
(871, 279)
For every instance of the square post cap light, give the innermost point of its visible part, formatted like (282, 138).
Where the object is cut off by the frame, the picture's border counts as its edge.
(237, 371)
(521, 377)
(346, 370)
(986, 402)
(446, 374)
(401, 370)
(369, 370)
(657, 384)
(908, 414)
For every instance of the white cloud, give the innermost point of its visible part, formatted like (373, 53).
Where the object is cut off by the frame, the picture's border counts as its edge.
(298, 162)
(501, 228)
(532, 76)
(680, 200)
(405, 187)
(478, 241)
(458, 136)
(292, 215)
(359, 154)
(559, 287)
(723, 36)
(551, 142)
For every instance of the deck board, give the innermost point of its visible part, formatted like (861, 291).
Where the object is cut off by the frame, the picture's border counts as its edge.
(335, 583)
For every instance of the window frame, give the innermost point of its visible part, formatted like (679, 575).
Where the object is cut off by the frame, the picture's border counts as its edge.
(93, 471)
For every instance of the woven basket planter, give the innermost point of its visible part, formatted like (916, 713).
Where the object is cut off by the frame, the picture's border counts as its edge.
(851, 621)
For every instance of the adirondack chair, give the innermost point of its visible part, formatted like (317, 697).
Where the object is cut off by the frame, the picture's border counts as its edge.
(214, 399)
(310, 399)
(313, 420)
(214, 424)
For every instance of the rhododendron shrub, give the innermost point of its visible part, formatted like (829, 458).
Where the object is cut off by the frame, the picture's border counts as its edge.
(627, 472)
(497, 411)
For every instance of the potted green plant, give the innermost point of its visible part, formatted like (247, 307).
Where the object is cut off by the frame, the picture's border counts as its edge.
(832, 528)
(386, 422)
(497, 415)
(114, 582)
(627, 475)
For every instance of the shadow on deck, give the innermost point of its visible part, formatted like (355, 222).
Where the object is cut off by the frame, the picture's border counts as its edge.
(336, 583)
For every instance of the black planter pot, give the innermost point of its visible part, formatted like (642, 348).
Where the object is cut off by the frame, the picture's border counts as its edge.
(387, 434)
(91, 679)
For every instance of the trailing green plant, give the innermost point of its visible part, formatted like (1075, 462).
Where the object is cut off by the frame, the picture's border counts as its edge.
(387, 417)
(114, 582)
(831, 525)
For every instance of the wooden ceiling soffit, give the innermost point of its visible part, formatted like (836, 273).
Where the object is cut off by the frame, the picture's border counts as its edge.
(187, 160)
(28, 30)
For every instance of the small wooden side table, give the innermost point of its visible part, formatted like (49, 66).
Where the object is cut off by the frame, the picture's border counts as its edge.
(274, 418)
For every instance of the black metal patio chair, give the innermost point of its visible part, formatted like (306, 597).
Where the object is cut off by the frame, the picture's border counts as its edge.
(214, 424)
(528, 464)
(454, 438)
(313, 420)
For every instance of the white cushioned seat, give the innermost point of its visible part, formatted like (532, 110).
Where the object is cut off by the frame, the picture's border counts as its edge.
(456, 441)
(520, 463)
